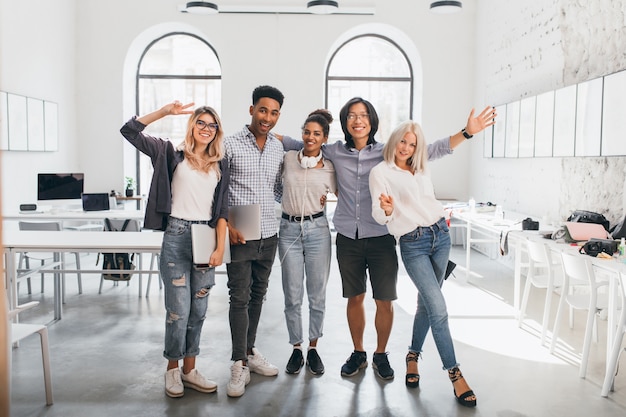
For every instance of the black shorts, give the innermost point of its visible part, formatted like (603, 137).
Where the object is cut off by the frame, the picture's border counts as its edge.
(376, 255)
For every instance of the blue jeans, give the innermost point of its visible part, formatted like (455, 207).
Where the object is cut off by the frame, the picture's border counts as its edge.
(248, 278)
(304, 248)
(425, 252)
(186, 292)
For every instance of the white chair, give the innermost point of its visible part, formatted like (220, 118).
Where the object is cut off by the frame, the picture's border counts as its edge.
(578, 272)
(618, 338)
(20, 331)
(27, 256)
(543, 272)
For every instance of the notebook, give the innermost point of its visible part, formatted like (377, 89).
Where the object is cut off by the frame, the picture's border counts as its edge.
(95, 201)
(246, 219)
(204, 242)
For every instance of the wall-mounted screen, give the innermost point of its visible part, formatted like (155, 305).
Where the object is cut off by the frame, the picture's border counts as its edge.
(564, 121)
(613, 114)
(60, 186)
(512, 130)
(589, 118)
(499, 132)
(527, 127)
(544, 124)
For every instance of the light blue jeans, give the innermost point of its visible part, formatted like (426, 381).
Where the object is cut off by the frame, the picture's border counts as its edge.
(186, 292)
(425, 252)
(304, 249)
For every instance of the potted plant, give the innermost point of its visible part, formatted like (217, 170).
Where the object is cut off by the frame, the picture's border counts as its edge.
(130, 186)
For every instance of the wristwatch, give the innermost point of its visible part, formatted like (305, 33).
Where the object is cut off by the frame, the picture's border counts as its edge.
(467, 135)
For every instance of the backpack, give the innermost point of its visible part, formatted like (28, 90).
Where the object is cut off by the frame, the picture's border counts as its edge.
(113, 261)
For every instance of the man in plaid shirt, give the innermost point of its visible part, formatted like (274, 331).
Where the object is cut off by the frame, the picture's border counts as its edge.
(256, 158)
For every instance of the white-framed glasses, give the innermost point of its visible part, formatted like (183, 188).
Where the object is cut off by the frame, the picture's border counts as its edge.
(362, 116)
(201, 125)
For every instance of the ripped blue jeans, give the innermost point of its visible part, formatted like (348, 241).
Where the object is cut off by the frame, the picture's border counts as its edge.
(186, 292)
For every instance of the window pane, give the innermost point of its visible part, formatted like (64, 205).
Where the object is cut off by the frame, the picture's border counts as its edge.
(369, 56)
(390, 98)
(180, 55)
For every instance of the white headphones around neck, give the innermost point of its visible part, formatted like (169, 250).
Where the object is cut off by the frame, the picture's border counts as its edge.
(308, 161)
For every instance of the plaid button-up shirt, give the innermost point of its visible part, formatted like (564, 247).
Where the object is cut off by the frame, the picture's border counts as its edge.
(255, 175)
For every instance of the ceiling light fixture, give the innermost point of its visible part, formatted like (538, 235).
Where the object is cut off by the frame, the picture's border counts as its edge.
(201, 7)
(446, 7)
(322, 6)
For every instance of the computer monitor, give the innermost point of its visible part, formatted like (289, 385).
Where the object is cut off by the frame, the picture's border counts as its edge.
(60, 188)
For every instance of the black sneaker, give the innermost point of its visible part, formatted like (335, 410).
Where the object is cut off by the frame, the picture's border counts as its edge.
(381, 366)
(314, 362)
(355, 362)
(296, 361)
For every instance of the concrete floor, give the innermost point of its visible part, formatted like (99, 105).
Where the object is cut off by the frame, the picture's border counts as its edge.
(107, 360)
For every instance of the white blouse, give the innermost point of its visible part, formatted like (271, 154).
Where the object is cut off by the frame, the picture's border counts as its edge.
(414, 202)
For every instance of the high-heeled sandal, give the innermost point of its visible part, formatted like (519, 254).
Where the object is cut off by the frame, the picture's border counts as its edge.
(464, 399)
(412, 380)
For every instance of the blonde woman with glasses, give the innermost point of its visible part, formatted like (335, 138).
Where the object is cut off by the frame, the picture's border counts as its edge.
(189, 185)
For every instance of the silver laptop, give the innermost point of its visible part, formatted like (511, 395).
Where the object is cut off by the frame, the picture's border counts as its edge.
(246, 219)
(204, 242)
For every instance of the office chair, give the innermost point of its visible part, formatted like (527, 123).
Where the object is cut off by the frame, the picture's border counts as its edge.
(20, 331)
(25, 257)
(540, 259)
(578, 272)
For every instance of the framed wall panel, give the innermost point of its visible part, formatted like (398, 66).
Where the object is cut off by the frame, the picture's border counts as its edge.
(499, 132)
(18, 119)
(512, 130)
(564, 121)
(488, 142)
(613, 114)
(527, 127)
(4, 122)
(544, 124)
(588, 118)
(51, 126)
(35, 124)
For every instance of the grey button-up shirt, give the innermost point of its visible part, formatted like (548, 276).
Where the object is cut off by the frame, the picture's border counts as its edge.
(354, 204)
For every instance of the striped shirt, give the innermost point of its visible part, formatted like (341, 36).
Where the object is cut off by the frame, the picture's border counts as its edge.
(255, 175)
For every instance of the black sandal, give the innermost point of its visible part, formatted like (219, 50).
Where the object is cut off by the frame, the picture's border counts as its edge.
(464, 399)
(412, 380)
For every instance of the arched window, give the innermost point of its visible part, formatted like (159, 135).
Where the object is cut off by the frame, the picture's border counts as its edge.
(375, 68)
(176, 66)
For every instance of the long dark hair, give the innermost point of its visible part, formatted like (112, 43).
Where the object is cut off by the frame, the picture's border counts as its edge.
(343, 118)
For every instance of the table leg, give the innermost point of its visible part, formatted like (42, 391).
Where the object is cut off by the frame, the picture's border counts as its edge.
(57, 289)
(468, 248)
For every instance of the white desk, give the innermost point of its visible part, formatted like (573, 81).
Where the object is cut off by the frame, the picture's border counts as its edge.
(490, 229)
(60, 215)
(16, 241)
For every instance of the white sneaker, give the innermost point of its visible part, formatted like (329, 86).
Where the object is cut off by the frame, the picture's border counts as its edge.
(195, 380)
(173, 383)
(239, 378)
(258, 364)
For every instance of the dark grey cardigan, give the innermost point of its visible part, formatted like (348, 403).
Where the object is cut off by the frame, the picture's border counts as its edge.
(164, 161)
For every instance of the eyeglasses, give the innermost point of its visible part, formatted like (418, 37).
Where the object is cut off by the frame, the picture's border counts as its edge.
(201, 125)
(354, 116)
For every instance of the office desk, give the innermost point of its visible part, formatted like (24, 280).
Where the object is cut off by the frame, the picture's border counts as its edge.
(60, 215)
(490, 229)
(16, 241)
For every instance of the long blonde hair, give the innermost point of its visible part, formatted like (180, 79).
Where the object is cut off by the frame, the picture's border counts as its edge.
(214, 152)
(417, 162)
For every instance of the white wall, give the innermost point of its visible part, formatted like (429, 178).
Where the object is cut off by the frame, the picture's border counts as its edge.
(539, 45)
(37, 59)
(79, 63)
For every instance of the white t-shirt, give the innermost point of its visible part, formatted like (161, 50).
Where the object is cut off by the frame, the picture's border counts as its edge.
(414, 202)
(192, 192)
